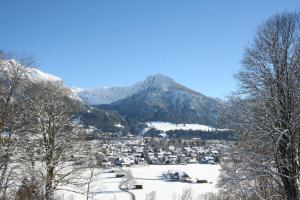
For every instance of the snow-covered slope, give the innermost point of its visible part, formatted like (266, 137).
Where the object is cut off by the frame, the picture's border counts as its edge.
(107, 95)
(32, 74)
(36, 75)
(160, 98)
(105, 187)
(167, 126)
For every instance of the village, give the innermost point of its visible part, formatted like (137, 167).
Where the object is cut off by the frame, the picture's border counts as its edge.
(140, 165)
(134, 150)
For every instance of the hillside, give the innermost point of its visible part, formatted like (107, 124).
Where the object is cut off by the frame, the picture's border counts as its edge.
(162, 99)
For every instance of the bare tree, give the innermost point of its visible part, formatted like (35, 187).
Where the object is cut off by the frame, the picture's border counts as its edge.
(265, 160)
(12, 81)
(91, 167)
(57, 136)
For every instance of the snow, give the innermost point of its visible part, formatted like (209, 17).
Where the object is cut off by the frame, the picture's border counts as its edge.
(76, 90)
(104, 95)
(106, 185)
(119, 125)
(36, 75)
(167, 126)
(163, 135)
(32, 74)
(107, 95)
(150, 176)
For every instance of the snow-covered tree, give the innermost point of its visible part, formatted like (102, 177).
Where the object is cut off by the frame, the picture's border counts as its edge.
(12, 81)
(51, 122)
(265, 161)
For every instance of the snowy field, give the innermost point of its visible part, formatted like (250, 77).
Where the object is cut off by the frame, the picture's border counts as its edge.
(167, 126)
(106, 186)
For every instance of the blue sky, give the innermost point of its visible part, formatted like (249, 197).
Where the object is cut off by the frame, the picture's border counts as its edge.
(199, 43)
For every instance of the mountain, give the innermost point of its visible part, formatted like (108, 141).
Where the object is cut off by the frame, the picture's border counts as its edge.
(36, 75)
(103, 120)
(97, 96)
(31, 74)
(107, 95)
(157, 98)
(160, 98)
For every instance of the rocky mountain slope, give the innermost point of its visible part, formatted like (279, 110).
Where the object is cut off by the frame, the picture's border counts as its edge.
(159, 98)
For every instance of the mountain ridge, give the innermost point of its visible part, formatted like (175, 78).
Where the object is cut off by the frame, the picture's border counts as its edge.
(171, 102)
(108, 95)
(157, 98)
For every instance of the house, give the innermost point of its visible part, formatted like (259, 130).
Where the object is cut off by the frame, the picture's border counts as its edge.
(191, 160)
(120, 174)
(107, 165)
(176, 175)
(207, 160)
(137, 186)
(125, 164)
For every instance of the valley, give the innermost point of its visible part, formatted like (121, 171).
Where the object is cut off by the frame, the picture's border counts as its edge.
(149, 100)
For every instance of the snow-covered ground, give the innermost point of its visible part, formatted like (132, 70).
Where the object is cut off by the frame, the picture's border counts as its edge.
(167, 126)
(152, 181)
(106, 186)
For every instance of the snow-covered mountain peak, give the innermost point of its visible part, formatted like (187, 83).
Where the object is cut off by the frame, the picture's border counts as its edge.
(36, 75)
(159, 81)
(107, 95)
(76, 90)
(32, 74)
(159, 78)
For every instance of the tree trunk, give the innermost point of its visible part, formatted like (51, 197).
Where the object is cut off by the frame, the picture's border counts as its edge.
(287, 168)
(290, 187)
(3, 186)
(49, 193)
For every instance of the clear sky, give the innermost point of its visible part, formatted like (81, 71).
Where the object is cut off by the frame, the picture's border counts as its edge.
(91, 43)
